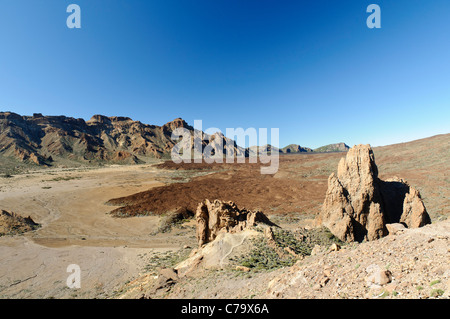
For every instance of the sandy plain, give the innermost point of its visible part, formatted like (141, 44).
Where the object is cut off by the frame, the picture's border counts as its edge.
(76, 229)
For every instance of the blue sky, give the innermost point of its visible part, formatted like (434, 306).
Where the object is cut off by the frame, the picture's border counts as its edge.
(310, 68)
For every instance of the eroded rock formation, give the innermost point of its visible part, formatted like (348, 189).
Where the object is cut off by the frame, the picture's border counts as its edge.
(214, 217)
(12, 224)
(358, 205)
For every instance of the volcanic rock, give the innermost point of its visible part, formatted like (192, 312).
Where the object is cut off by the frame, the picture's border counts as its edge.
(12, 224)
(116, 139)
(358, 205)
(217, 216)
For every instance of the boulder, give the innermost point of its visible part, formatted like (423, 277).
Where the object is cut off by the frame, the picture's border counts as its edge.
(358, 205)
(395, 228)
(414, 213)
(377, 276)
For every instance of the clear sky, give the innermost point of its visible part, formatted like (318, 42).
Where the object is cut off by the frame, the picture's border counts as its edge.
(313, 69)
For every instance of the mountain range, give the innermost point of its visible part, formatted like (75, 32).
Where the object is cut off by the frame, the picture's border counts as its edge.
(46, 140)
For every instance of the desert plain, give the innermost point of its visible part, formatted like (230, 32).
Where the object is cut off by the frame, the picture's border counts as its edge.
(120, 253)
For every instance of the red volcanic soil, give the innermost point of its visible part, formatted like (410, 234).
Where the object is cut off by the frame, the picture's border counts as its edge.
(243, 184)
(300, 184)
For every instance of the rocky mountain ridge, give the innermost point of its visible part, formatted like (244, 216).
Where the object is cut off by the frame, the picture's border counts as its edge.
(46, 140)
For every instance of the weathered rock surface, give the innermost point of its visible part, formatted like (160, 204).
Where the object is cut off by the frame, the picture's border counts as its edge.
(413, 264)
(12, 224)
(48, 140)
(214, 217)
(358, 205)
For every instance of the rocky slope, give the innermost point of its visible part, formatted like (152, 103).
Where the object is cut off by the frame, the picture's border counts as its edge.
(412, 263)
(49, 140)
(409, 263)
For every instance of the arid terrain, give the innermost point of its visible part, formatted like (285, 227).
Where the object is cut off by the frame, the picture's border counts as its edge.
(110, 221)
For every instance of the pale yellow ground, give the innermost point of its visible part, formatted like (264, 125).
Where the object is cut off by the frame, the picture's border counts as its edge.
(76, 229)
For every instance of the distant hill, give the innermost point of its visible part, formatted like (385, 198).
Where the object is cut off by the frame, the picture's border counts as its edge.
(297, 149)
(60, 140)
(338, 147)
(49, 140)
(266, 149)
(294, 148)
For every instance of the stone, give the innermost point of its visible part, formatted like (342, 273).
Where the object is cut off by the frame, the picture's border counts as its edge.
(358, 205)
(217, 216)
(378, 276)
(395, 228)
(169, 273)
(334, 247)
(166, 278)
(13, 224)
(290, 251)
(316, 250)
(242, 268)
(414, 213)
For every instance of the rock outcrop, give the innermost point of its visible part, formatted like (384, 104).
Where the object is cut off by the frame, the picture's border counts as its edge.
(13, 224)
(358, 205)
(217, 216)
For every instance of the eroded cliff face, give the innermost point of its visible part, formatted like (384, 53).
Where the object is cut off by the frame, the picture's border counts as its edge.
(43, 140)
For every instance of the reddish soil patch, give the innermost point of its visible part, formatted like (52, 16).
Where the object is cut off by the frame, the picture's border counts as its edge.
(300, 184)
(241, 183)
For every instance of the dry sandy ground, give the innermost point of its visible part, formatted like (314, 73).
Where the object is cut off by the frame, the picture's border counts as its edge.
(76, 229)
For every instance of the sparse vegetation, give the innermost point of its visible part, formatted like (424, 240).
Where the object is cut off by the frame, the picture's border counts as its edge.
(436, 293)
(289, 247)
(434, 282)
(173, 219)
(63, 178)
(292, 204)
(263, 257)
